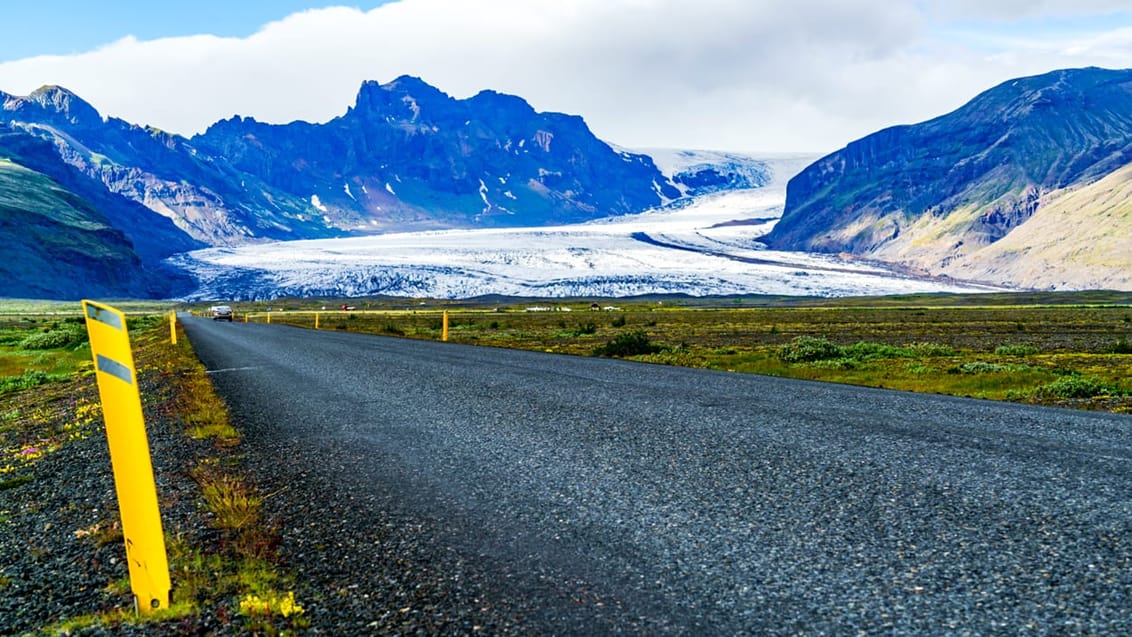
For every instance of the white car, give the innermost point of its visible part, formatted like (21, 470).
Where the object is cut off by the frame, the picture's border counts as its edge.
(221, 313)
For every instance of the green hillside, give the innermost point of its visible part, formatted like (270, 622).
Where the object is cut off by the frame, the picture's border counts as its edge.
(55, 244)
(1080, 238)
(1026, 185)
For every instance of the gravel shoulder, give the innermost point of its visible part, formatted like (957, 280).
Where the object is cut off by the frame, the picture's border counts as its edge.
(61, 552)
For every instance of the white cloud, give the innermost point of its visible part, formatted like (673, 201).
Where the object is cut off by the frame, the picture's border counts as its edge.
(728, 74)
(1015, 10)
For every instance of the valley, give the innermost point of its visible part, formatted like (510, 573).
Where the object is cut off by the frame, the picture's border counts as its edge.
(414, 193)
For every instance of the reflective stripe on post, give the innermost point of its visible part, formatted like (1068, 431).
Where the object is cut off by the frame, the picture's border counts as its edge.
(129, 456)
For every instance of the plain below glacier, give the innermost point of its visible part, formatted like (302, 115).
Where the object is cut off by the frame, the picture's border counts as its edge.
(701, 247)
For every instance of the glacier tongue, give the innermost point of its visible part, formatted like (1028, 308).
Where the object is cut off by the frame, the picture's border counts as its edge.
(706, 247)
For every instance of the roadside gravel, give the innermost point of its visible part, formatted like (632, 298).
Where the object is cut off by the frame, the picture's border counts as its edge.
(61, 552)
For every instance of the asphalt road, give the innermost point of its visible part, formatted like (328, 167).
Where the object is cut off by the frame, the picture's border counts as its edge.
(435, 487)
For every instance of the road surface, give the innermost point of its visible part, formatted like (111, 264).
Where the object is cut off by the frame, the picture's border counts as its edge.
(439, 487)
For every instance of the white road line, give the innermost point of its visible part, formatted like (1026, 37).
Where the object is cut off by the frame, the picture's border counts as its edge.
(230, 369)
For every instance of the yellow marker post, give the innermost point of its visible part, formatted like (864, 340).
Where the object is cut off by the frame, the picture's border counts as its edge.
(269, 318)
(316, 320)
(173, 327)
(129, 456)
(444, 329)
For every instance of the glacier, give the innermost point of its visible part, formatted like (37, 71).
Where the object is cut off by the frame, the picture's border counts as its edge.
(700, 246)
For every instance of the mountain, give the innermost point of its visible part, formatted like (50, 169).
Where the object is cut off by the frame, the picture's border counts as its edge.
(153, 237)
(408, 155)
(203, 197)
(700, 172)
(405, 156)
(984, 192)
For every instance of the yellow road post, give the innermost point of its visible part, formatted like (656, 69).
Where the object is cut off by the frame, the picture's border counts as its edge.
(316, 320)
(173, 327)
(129, 456)
(444, 330)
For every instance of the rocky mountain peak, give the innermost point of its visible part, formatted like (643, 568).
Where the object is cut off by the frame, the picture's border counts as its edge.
(502, 103)
(55, 104)
(404, 98)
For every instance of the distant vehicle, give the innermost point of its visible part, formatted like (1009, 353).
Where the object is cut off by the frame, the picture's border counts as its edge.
(221, 313)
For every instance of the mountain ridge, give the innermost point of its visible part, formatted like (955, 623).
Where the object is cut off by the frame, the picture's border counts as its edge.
(1021, 186)
(933, 195)
(404, 156)
(412, 153)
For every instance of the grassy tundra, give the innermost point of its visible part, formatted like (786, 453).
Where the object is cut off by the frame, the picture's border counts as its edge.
(1072, 350)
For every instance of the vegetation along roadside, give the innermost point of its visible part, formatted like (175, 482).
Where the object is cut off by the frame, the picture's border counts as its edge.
(61, 555)
(1057, 349)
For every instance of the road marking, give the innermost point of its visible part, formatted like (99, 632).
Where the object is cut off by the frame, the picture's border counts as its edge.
(231, 369)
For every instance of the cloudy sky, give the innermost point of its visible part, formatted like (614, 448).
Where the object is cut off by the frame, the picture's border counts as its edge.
(745, 75)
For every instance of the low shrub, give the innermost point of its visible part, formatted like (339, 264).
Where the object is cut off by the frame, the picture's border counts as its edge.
(806, 349)
(28, 380)
(54, 339)
(584, 329)
(1016, 350)
(634, 343)
(865, 350)
(1075, 386)
(1121, 347)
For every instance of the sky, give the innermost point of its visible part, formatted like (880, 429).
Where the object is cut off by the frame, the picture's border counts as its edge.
(739, 75)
